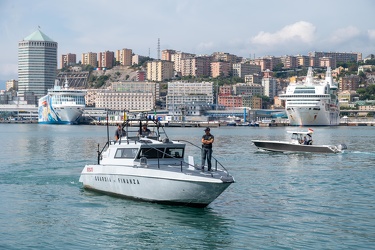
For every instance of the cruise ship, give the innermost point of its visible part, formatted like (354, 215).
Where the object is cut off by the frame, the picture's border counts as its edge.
(312, 102)
(61, 105)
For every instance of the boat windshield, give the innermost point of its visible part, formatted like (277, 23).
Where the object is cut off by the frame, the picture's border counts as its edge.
(153, 153)
(128, 153)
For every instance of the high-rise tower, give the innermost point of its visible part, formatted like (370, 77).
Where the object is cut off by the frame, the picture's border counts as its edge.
(37, 65)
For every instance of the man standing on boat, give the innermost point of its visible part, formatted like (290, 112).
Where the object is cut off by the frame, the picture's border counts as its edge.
(120, 132)
(207, 140)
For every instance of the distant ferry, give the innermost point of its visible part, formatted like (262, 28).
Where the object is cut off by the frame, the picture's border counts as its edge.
(61, 105)
(312, 102)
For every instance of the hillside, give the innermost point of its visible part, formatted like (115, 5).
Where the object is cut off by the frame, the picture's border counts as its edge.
(102, 79)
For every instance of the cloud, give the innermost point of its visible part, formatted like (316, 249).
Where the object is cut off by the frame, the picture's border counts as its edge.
(344, 34)
(371, 34)
(298, 32)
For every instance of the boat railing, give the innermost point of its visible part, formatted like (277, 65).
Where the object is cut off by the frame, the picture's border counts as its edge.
(216, 161)
(183, 162)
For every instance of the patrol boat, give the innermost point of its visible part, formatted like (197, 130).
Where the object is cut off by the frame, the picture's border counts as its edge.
(153, 168)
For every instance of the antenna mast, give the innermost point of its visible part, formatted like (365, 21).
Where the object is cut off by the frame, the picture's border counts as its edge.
(158, 48)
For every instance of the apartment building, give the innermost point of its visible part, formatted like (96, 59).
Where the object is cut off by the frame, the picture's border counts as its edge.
(177, 57)
(11, 84)
(220, 69)
(124, 57)
(336, 56)
(106, 59)
(90, 58)
(181, 93)
(166, 55)
(289, 62)
(196, 66)
(269, 87)
(230, 101)
(159, 70)
(350, 83)
(225, 90)
(327, 62)
(68, 60)
(136, 59)
(114, 100)
(242, 69)
(247, 89)
(138, 87)
(226, 57)
(302, 61)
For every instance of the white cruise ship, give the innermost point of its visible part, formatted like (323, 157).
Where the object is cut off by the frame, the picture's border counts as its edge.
(312, 102)
(61, 105)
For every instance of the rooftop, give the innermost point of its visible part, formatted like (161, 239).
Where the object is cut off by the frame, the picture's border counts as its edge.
(38, 36)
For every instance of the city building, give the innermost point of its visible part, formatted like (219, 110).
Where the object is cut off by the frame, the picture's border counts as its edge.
(137, 59)
(159, 70)
(243, 69)
(349, 83)
(196, 66)
(269, 87)
(90, 58)
(225, 57)
(289, 62)
(11, 84)
(325, 62)
(124, 57)
(140, 76)
(255, 78)
(37, 66)
(138, 87)
(247, 89)
(302, 61)
(166, 55)
(177, 57)
(220, 69)
(336, 56)
(68, 60)
(115, 100)
(182, 93)
(106, 59)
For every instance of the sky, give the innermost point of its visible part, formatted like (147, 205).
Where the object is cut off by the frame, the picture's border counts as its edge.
(244, 28)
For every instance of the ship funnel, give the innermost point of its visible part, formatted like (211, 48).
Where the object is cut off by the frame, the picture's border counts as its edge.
(66, 83)
(310, 76)
(329, 77)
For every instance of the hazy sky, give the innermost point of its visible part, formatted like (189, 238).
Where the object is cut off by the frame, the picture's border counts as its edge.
(241, 27)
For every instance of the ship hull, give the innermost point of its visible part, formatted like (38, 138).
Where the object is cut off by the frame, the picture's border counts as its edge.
(50, 113)
(308, 116)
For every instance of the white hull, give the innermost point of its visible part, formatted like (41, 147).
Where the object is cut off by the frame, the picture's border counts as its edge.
(307, 116)
(61, 106)
(155, 185)
(312, 102)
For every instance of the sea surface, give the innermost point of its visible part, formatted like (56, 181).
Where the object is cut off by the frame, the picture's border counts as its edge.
(279, 201)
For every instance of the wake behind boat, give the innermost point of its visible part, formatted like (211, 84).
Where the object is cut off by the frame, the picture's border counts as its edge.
(61, 105)
(300, 142)
(153, 169)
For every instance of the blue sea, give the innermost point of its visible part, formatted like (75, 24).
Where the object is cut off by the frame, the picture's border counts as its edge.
(279, 201)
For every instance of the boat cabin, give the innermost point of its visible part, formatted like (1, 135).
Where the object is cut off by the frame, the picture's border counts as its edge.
(301, 137)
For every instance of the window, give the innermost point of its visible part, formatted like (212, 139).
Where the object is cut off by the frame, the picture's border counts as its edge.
(128, 153)
(174, 152)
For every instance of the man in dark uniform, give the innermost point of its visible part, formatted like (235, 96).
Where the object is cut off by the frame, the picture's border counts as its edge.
(207, 140)
(120, 132)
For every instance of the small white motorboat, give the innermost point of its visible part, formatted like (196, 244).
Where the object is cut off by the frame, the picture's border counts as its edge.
(153, 169)
(298, 144)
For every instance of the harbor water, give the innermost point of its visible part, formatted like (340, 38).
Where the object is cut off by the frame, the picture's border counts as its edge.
(279, 200)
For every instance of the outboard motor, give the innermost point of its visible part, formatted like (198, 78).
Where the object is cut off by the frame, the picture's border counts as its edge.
(341, 147)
